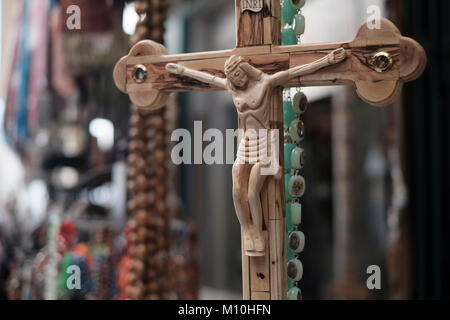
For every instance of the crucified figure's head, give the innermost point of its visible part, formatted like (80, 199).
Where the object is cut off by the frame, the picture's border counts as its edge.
(235, 73)
(239, 72)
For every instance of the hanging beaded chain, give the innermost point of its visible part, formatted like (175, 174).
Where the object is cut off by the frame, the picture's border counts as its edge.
(147, 186)
(103, 275)
(294, 105)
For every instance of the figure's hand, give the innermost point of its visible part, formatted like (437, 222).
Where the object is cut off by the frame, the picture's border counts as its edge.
(175, 68)
(337, 56)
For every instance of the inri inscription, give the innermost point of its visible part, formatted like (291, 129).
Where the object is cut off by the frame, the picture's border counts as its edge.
(252, 5)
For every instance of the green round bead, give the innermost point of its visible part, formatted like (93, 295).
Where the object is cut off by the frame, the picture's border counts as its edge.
(297, 4)
(297, 131)
(295, 270)
(288, 36)
(288, 147)
(300, 103)
(297, 186)
(297, 158)
(294, 293)
(299, 24)
(287, 12)
(297, 241)
(287, 178)
(295, 210)
(288, 112)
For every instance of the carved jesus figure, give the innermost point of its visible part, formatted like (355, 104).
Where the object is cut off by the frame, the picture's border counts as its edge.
(252, 91)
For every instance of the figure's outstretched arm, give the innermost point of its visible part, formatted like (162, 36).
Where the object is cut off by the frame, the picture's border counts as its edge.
(281, 78)
(198, 75)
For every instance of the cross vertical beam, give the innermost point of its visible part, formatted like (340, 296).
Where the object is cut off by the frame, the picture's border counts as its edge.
(264, 277)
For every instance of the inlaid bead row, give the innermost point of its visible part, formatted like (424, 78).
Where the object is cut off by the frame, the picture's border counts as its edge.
(294, 105)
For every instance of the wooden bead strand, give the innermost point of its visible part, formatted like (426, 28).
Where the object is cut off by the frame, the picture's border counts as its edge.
(294, 105)
(103, 275)
(149, 224)
(153, 14)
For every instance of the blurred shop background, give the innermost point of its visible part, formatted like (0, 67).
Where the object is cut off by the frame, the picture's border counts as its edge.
(378, 178)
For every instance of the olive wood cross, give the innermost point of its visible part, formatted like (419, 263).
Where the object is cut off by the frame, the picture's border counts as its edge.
(377, 63)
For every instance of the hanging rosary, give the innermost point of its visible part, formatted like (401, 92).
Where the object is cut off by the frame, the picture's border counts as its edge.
(295, 104)
(147, 186)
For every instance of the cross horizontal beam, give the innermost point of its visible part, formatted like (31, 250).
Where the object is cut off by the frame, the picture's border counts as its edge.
(378, 63)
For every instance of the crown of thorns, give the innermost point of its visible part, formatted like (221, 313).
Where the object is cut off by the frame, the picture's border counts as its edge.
(232, 63)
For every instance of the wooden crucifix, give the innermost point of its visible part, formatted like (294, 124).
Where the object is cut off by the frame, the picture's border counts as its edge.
(377, 62)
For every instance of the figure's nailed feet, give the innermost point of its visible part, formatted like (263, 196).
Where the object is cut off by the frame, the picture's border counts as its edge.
(337, 56)
(248, 243)
(174, 68)
(254, 247)
(260, 244)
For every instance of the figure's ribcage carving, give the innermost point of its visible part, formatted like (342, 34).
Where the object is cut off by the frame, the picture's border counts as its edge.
(256, 148)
